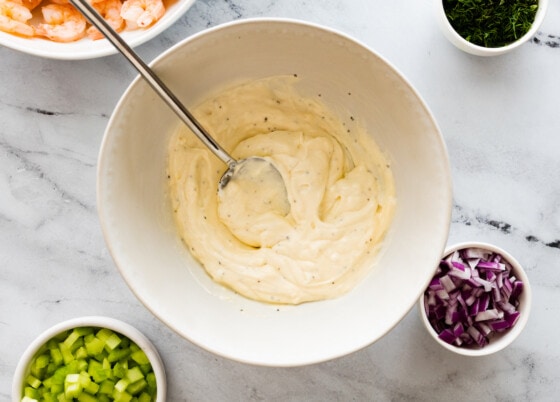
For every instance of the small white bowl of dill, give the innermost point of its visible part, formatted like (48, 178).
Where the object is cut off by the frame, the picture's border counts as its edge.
(490, 28)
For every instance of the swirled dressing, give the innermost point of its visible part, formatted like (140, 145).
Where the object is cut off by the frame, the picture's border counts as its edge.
(339, 188)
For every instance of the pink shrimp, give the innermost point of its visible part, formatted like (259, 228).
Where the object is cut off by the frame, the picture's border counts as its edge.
(142, 13)
(63, 23)
(13, 18)
(111, 11)
(31, 4)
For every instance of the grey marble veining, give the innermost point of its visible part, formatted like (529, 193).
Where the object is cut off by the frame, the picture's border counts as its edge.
(500, 118)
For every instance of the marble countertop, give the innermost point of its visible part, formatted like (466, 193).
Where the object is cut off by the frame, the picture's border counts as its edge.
(500, 118)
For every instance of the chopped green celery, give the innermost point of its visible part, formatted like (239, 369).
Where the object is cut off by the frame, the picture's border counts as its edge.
(84, 379)
(90, 387)
(62, 398)
(67, 355)
(84, 331)
(90, 364)
(31, 392)
(33, 381)
(57, 389)
(85, 397)
(119, 370)
(51, 368)
(72, 390)
(139, 357)
(42, 361)
(106, 387)
(56, 356)
(93, 367)
(121, 396)
(97, 372)
(118, 354)
(125, 342)
(122, 384)
(94, 346)
(43, 350)
(136, 387)
(62, 336)
(134, 374)
(52, 344)
(49, 397)
(71, 338)
(37, 372)
(77, 345)
(146, 368)
(144, 397)
(113, 341)
(39, 366)
(28, 399)
(72, 386)
(104, 334)
(151, 379)
(71, 367)
(48, 382)
(78, 365)
(60, 374)
(81, 353)
(72, 378)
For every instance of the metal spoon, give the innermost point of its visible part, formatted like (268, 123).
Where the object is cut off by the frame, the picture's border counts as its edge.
(235, 167)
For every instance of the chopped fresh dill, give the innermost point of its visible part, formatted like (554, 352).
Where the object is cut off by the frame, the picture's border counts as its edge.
(491, 23)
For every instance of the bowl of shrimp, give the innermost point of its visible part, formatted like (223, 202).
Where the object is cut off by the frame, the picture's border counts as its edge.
(55, 29)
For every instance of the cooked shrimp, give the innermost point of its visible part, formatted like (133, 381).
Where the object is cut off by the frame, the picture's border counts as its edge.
(111, 11)
(63, 23)
(142, 13)
(31, 4)
(13, 18)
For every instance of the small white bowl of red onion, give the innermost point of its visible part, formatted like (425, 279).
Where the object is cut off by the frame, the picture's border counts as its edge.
(478, 301)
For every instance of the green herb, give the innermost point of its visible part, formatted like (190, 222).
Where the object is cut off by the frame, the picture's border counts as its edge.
(491, 23)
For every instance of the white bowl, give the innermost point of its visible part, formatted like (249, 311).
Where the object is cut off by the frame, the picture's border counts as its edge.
(22, 369)
(88, 49)
(137, 220)
(471, 48)
(498, 341)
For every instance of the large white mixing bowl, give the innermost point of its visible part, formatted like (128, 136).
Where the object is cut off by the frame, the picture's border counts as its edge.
(138, 225)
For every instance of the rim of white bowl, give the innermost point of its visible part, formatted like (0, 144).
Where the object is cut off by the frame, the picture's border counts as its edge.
(86, 48)
(466, 46)
(295, 362)
(507, 337)
(119, 326)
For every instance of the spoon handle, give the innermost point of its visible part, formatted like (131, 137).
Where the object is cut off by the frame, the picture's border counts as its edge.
(153, 80)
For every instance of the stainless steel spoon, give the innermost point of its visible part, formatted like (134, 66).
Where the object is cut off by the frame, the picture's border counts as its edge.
(235, 167)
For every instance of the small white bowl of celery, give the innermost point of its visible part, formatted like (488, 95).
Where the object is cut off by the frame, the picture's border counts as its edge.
(90, 359)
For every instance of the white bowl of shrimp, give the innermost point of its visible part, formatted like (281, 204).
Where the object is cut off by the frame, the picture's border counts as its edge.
(55, 29)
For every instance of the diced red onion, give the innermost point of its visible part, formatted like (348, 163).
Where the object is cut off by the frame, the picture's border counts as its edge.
(473, 295)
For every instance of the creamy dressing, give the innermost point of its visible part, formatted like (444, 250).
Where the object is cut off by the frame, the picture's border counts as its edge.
(253, 201)
(338, 184)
